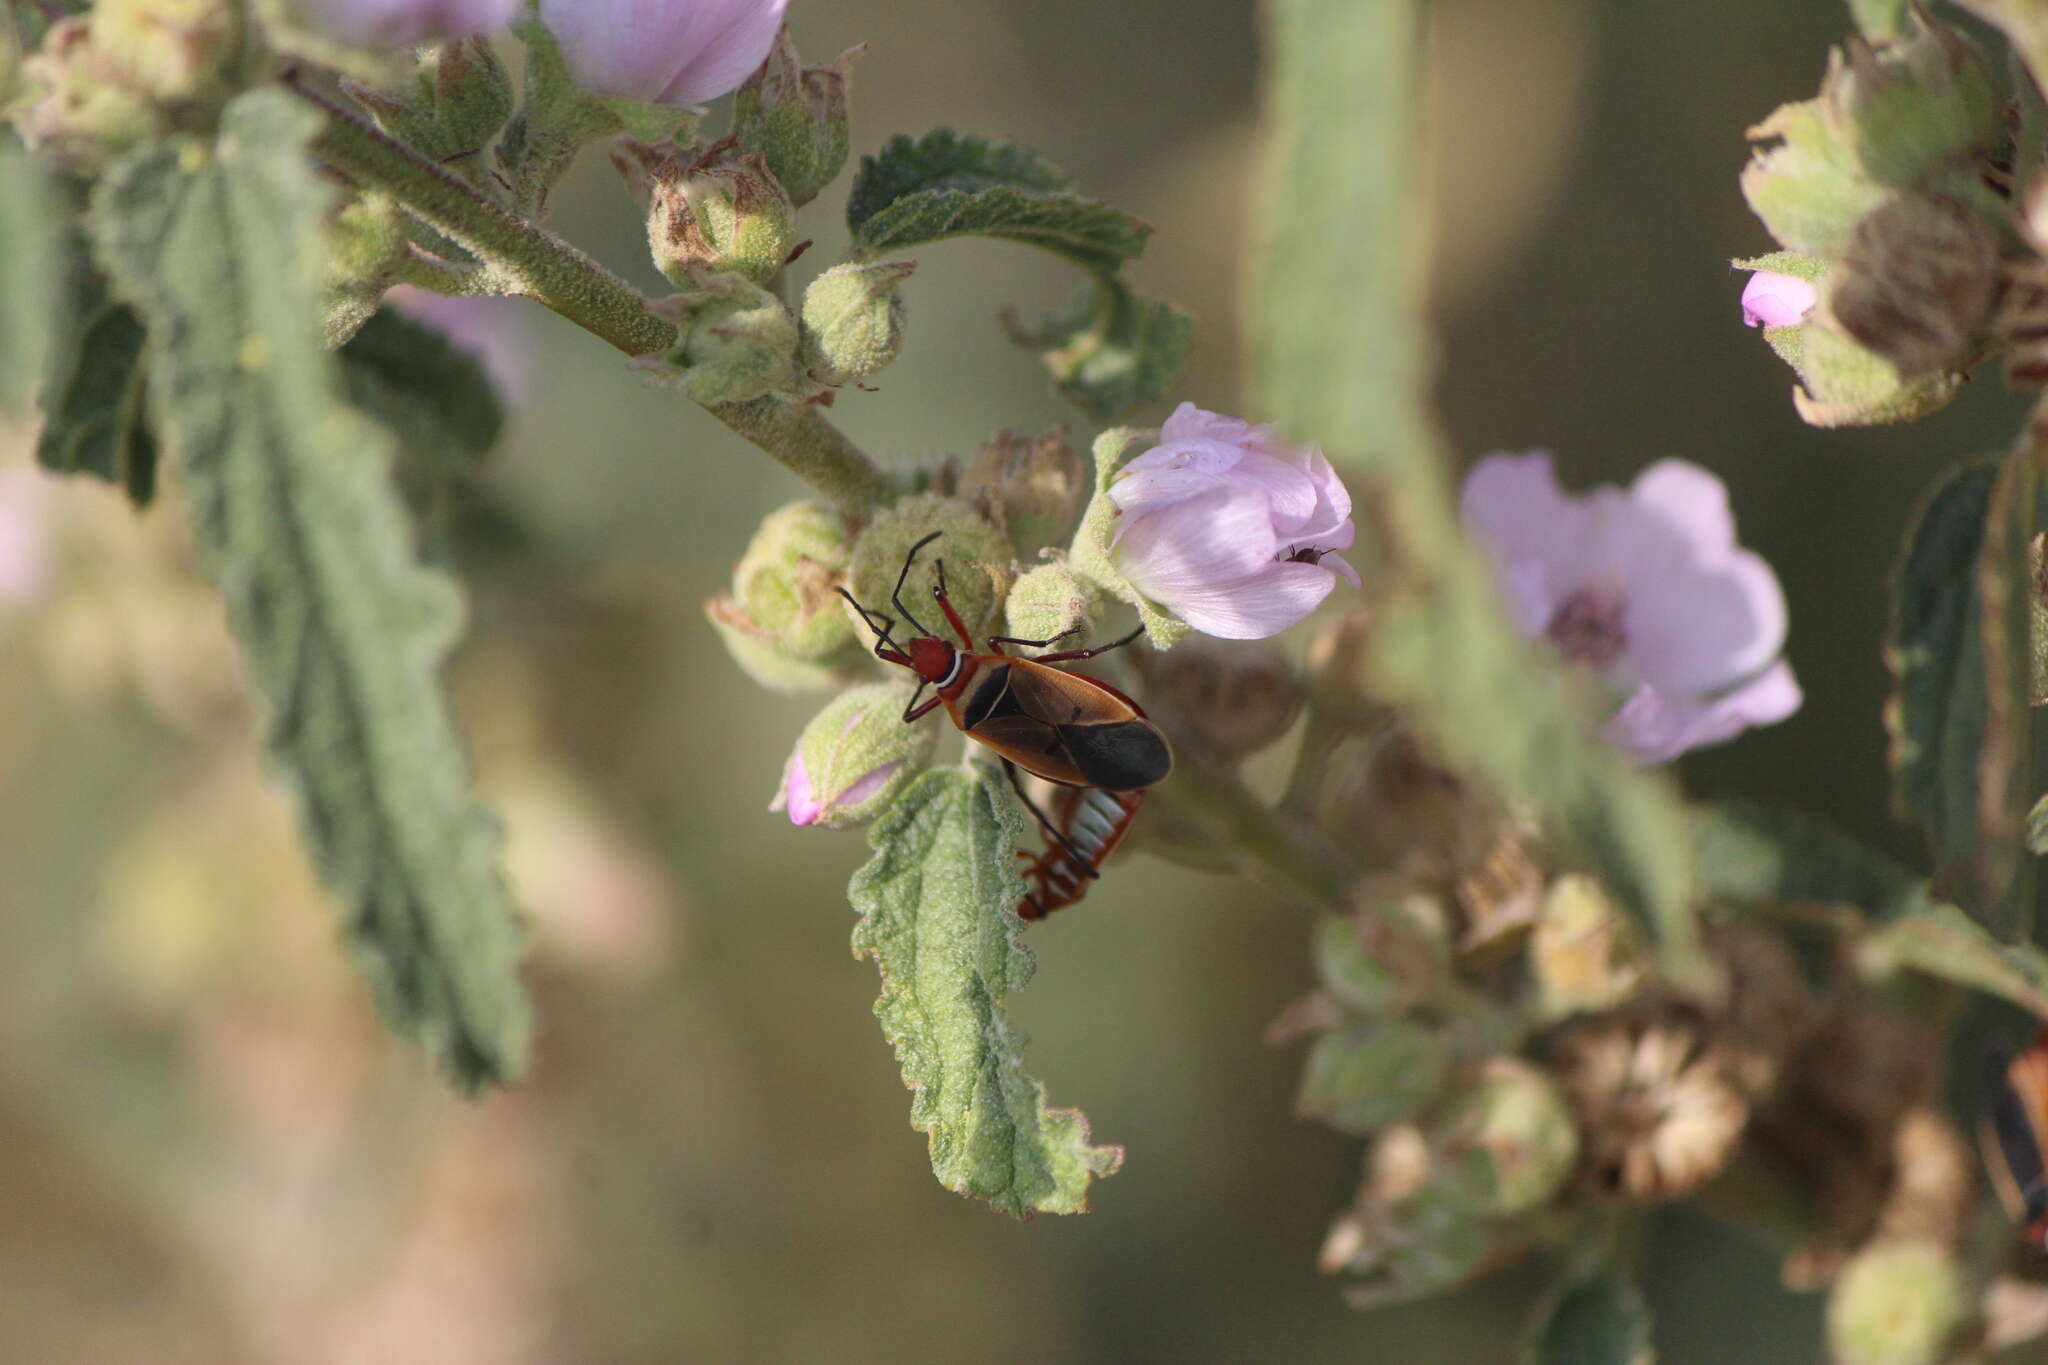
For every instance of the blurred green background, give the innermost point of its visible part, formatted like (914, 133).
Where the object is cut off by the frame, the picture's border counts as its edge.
(209, 1152)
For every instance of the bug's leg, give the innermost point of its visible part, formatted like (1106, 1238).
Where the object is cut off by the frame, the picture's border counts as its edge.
(946, 606)
(885, 647)
(996, 642)
(1052, 833)
(896, 596)
(912, 711)
(1069, 655)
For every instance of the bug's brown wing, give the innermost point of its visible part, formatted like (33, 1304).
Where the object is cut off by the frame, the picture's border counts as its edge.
(1106, 739)
(1032, 745)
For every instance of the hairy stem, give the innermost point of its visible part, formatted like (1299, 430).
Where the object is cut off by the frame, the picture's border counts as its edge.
(1283, 850)
(521, 258)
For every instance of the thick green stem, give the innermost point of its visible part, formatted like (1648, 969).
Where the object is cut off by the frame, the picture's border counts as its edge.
(521, 258)
(1270, 843)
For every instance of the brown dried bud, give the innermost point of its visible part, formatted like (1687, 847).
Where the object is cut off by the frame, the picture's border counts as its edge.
(1587, 955)
(721, 210)
(1659, 1110)
(1916, 283)
(1031, 485)
(1235, 697)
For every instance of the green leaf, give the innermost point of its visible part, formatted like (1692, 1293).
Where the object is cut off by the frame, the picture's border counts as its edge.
(1879, 18)
(1847, 386)
(1599, 1320)
(95, 417)
(217, 247)
(936, 905)
(1751, 850)
(1939, 940)
(1939, 709)
(1090, 554)
(435, 398)
(33, 226)
(2010, 598)
(1112, 351)
(1352, 376)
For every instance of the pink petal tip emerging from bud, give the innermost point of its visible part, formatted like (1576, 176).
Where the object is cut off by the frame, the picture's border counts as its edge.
(797, 798)
(1774, 300)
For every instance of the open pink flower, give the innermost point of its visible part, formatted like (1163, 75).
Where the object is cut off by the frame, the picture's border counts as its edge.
(1647, 589)
(674, 52)
(403, 23)
(1774, 300)
(1229, 529)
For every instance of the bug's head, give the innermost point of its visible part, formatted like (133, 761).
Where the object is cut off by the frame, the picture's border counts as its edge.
(930, 658)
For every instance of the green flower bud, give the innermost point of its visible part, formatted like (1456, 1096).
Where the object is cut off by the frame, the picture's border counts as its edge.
(1050, 602)
(1031, 485)
(978, 563)
(738, 343)
(1508, 1143)
(1381, 960)
(783, 620)
(80, 109)
(795, 117)
(856, 756)
(458, 100)
(1898, 1303)
(853, 320)
(169, 50)
(1587, 955)
(720, 211)
(1363, 1078)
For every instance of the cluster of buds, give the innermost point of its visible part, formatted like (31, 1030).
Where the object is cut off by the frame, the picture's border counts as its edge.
(1885, 195)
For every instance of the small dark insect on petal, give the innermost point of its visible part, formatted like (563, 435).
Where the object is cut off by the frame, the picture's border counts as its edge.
(1307, 554)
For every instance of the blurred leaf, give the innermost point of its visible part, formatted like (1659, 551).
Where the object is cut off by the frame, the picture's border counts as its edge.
(1938, 712)
(2037, 827)
(1812, 269)
(950, 184)
(95, 417)
(435, 398)
(1599, 1320)
(1878, 18)
(1940, 940)
(1340, 349)
(216, 247)
(2010, 599)
(1752, 850)
(1363, 1078)
(1847, 386)
(1112, 351)
(33, 225)
(936, 905)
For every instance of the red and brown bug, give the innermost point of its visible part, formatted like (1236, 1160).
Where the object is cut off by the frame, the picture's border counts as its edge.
(2014, 1135)
(1068, 728)
(1091, 822)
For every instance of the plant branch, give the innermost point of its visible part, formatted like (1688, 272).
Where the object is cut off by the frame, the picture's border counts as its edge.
(1298, 861)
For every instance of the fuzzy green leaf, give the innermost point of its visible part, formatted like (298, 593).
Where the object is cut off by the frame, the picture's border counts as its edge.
(1939, 710)
(216, 247)
(33, 227)
(1112, 351)
(1354, 379)
(436, 399)
(1939, 940)
(936, 906)
(1598, 1320)
(95, 417)
(1762, 852)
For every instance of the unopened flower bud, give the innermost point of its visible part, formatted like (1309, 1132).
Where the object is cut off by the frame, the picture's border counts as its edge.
(1509, 1142)
(978, 564)
(1774, 300)
(1032, 485)
(795, 116)
(452, 108)
(853, 320)
(1235, 697)
(1918, 105)
(1364, 1078)
(80, 109)
(719, 209)
(1587, 955)
(738, 342)
(1898, 1303)
(168, 49)
(854, 758)
(1916, 283)
(1051, 602)
(782, 619)
(1382, 960)
(673, 54)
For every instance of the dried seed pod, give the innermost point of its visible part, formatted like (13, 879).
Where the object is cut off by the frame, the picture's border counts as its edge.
(1916, 283)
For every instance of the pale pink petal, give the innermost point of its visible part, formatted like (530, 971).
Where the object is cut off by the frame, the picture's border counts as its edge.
(1693, 501)
(24, 535)
(1220, 536)
(1774, 300)
(404, 23)
(1278, 596)
(1342, 566)
(866, 786)
(1656, 727)
(796, 795)
(1168, 474)
(671, 51)
(1695, 631)
(1513, 507)
(1328, 523)
(731, 56)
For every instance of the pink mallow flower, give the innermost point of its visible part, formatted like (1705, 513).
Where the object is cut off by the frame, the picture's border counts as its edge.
(803, 804)
(1229, 529)
(674, 52)
(1774, 300)
(1646, 589)
(25, 549)
(404, 23)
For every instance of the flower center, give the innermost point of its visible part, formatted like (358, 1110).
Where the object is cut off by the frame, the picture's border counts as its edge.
(1590, 627)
